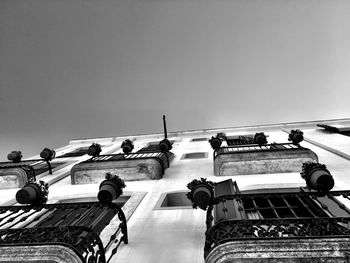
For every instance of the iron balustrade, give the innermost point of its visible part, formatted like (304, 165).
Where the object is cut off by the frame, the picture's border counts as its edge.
(256, 148)
(239, 140)
(153, 147)
(162, 157)
(319, 221)
(76, 225)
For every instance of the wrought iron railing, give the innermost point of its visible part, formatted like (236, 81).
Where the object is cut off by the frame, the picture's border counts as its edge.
(240, 140)
(322, 224)
(163, 158)
(256, 148)
(76, 225)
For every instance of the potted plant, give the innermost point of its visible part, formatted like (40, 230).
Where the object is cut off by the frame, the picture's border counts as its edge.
(296, 136)
(201, 194)
(127, 146)
(317, 177)
(33, 193)
(111, 188)
(94, 150)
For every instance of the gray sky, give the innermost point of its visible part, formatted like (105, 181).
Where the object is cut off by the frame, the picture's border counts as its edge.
(86, 68)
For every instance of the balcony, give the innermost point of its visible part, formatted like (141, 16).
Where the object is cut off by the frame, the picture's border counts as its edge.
(130, 167)
(16, 175)
(278, 227)
(74, 232)
(255, 159)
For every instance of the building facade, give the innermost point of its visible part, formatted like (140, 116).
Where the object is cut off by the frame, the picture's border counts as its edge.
(252, 204)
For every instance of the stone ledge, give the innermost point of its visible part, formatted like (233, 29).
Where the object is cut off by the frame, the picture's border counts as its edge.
(12, 178)
(283, 161)
(324, 250)
(128, 170)
(38, 254)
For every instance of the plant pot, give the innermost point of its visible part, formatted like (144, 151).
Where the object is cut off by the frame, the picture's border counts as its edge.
(260, 138)
(165, 145)
(215, 143)
(127, 148)
(15, 156)
(94, 150)
(108, 191)
(297, 137)
(320, 179)
(202, 196)
(29, 194)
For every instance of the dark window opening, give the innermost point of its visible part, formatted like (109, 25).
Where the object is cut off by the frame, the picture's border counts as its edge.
(195, 155)
(176, 199)
(76, 153)
(199, 139)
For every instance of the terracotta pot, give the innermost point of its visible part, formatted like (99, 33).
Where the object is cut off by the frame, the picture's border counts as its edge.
(215, 143)
(260, 138)
(28, 194)
(94, 150)
(127, 148)
(321, 180)
(14, 156)
(297, 137)
(108, 191)
(165, 145)
(202, 196)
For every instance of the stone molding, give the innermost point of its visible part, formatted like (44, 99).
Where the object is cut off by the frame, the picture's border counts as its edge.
(34, 253)
(128, 170)
(12, 178)
(325, 250)
(283, 161)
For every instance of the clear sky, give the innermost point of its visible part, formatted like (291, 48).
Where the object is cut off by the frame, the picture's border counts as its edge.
(84, 68)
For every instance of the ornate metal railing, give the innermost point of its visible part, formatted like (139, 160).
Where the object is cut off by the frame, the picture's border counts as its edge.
(161, 157)
(323, 223)
(76, 225)
(256, 148)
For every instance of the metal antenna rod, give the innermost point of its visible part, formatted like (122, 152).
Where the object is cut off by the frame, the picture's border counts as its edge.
(165, 131)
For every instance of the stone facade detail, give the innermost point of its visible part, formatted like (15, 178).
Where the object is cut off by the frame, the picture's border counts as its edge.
(264, 162)
(128, 170)
(325, 250)
(39, 254)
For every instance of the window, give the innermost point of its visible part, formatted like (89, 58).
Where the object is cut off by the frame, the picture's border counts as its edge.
(174, 200)
(273, 203)
(199, 139)
(281, 207)
(76, 153)
(195, 155)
